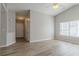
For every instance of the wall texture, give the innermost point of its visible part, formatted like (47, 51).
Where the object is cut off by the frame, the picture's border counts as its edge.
(3, 25)
(7, 26)
(27, 29)
(68, 15)
(11, 27)
(0, 23)
(41, 27)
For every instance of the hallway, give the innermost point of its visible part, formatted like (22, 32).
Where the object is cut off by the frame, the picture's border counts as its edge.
(45, 48)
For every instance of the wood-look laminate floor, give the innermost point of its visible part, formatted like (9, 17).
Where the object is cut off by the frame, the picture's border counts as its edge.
(45, 48)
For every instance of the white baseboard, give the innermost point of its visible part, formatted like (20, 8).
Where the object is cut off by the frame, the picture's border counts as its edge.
(2, 46)
(39, 40)
(10, 44)
(7, 44)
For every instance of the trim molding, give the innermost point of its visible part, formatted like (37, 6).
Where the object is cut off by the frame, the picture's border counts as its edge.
(39, 40)
(10, 44)
(7, 45)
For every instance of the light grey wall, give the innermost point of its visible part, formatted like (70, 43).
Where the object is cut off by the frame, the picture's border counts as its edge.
(11, 27)
(11, 21)
(7, 26)
(68, 15)
(0, 24)
(41, 26)
(3, 25)
(27, 29)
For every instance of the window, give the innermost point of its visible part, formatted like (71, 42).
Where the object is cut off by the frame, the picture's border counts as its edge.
(70, 28)
(64, 28)
(73, 28)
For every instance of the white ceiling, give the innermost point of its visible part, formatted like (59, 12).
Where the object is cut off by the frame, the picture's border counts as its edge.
(40, 7)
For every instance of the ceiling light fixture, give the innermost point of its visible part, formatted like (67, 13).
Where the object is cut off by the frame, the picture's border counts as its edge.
(56, 5)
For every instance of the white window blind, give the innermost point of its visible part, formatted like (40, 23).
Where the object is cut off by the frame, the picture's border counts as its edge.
(64, 28)
(69, 28)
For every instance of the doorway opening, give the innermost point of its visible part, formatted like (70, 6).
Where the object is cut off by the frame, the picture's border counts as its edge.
(22, 26)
